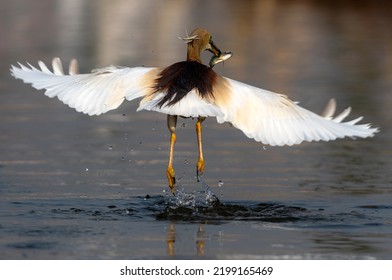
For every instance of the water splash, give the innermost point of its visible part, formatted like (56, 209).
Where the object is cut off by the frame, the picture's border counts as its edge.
(204, 205)
(210, 197)
(184, 199)
(193, 200)
(220, 183)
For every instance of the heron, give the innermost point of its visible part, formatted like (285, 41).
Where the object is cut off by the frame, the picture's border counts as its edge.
(192, 89)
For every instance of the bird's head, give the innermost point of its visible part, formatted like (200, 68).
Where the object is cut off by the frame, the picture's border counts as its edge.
(206, 43)
(200, 40)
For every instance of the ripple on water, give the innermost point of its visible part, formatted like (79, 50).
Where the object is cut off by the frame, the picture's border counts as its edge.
(200, 206)
(205, 206)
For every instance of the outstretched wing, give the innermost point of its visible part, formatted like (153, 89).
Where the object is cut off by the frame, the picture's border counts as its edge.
(265, 116)
(94, 93)
(273, 119)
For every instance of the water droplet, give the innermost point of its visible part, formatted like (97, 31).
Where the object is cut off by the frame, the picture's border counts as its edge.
(264, 148)
(220, 183)
(122, 158)
(186, 161)
(110, 148)
(183, 124)
(86, 169)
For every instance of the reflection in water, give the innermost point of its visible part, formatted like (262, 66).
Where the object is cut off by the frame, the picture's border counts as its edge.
(171, 238)
(203, 210)
(200, 240)
(199, 244)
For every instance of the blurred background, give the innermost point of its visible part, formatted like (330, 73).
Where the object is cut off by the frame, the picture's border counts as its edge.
(326, 45)
(309, 50)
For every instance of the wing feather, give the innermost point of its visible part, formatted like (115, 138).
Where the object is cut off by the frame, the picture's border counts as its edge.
(263, 115)
(273, 119)
(94, 93)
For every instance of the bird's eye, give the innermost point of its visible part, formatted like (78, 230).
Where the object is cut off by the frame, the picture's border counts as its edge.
(210, 38)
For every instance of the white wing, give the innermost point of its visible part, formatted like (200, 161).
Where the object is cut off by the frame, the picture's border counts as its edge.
(265, 116)
(94, 93)
(273, 119)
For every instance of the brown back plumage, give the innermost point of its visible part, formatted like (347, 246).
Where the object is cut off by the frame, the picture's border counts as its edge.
(180, 78)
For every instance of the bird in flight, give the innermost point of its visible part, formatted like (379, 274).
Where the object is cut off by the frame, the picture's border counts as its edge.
(193, 90)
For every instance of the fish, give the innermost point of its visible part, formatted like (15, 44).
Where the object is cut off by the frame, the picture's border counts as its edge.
(223, 56)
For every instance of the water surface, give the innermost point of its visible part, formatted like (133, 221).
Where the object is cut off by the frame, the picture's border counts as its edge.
(79, 187)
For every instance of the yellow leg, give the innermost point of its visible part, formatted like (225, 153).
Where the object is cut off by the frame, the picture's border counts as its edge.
(171, 124)
(200, 162)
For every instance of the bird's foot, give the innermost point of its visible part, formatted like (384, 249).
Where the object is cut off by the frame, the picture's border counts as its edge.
(171, 178)
(199, 169)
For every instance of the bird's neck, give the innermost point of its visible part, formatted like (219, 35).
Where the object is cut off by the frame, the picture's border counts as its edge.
(193, 52)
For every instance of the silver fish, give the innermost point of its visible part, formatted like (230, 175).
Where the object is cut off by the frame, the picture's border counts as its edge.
(220, 58)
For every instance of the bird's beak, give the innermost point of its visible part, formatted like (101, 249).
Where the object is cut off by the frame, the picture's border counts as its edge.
(214, 49)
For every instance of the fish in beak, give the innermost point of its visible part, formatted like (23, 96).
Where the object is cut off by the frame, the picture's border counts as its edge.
(220, 58)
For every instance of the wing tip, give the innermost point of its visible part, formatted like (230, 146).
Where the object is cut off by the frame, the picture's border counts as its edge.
(73, 67)
(329, 109)
(57, 67)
